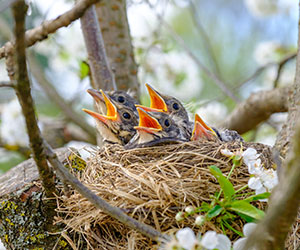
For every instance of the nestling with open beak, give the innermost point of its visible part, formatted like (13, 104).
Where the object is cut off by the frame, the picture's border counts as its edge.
(117, 126)
(154, 128)
(202, 132)
(118, 96)
(171, 106)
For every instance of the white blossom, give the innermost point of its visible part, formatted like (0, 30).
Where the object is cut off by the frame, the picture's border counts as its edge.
(250, 156)
(226, 152)
(186, 238)
(262, 8)
(247, 230)
(267, 52)
(210, 240)
(267, 8)
(13, 128)
(262, 180)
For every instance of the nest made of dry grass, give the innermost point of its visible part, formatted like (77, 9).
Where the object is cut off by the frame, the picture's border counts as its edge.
(151, 185)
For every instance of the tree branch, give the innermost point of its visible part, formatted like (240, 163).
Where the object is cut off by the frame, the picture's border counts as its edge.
(41, 32)
(114, 212)
(271, 232)
(204, 36)
(261, 69)
(257, 108)
(6, 84)
(280, 67)
(50, 91)
(102, 76)
(25, 99)
(112, 18)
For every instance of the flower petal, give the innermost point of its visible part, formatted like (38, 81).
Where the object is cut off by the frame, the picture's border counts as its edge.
(255, 183)
(250, 155)
(186, 238)
(239, 244)
(226, 152)
(249, 228)
(224, 242)
(209, 240)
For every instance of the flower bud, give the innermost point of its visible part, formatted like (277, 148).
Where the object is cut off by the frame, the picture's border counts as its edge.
(179, 216)
(200, 220)
(189, 209)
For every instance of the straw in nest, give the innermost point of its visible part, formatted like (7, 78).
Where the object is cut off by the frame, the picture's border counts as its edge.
(151, 185)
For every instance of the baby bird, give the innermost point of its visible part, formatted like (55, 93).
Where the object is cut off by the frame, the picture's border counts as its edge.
(201, 131)
(117, 96)
(154, 128)
(117, 126)
(171, 106)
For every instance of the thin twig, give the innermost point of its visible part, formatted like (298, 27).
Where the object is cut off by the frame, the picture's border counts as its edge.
(281, 65)
(261, 69)
(48, 27)
(23, 92)
(256, 73)
(211, 75)
(50, 91)
(115, 212)
(102, 76)
(6, 84)
(205, 37)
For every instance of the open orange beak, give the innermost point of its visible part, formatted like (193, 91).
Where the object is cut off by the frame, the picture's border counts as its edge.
(201, 130)
(157, 103)
(96, 95)
(111, 113)
(147, 123)
(198, 119)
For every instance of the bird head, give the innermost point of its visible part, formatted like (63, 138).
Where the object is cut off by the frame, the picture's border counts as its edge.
(201, 131)
(154, 128)
(117, 125)
(118, 96)
(167, 104)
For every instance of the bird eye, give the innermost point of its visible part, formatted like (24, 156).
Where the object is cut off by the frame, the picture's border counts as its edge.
(121, 99)
(175, 106)
(126, 115)
(167, 123)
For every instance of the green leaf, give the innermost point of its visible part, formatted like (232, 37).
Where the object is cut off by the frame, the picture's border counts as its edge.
(205, 206)
(257, 197)
(226, 224)
(215, 211)
(84, 69)
(245, 208)
(225, 184)
(246, 218)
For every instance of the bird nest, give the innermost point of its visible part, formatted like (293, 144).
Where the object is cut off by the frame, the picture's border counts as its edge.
(152, 185)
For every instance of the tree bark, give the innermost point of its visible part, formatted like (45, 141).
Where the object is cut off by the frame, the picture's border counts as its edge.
(257, 108)
(115, 30)
(23, 223)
